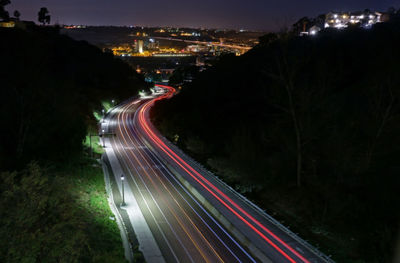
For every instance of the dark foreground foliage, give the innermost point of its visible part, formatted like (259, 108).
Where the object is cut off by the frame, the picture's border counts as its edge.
(309, 128)
(49, 87)
(61, 216)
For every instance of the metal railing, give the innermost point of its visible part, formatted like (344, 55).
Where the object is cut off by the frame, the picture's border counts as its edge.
(263, 213)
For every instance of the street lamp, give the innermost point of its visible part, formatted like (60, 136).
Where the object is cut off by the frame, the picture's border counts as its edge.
(113, 102)
(103, 138)
(123, 190)
(103, 114)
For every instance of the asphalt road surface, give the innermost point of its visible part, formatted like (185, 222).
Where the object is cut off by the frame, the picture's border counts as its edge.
(184, 230)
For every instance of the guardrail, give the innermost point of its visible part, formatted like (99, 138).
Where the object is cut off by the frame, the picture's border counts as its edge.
(200, 168)
(263, 213)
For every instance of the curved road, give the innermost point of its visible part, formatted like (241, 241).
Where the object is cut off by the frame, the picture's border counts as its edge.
(184, 230)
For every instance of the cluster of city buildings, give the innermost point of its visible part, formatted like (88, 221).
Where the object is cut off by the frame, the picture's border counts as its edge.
(150, 47)
(147, 47)
(174, 32)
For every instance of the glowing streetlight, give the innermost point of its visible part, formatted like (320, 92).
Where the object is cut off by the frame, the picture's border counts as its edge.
(103, 113)
(123, 190)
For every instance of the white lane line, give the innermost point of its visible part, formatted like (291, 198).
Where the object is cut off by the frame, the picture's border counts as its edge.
(154, 200)
(147, 159)
(199, 205)
(148, 244)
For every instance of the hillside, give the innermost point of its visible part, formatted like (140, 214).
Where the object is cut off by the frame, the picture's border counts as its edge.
(53, 204)
(50, 86)
(308, 128)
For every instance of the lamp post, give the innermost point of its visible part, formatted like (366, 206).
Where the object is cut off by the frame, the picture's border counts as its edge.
(103, 114)
(113, 102)
(123, 190)
(103, 138)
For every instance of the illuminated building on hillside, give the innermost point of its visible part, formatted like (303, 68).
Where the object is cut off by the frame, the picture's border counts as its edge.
(344, 19)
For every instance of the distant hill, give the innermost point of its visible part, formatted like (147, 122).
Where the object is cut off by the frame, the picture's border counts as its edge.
(102, 36)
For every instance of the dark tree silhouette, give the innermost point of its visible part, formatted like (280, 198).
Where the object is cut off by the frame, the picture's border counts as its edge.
(302, 25)
(32, 92)
(267, 39)
(43, 16)
(320, 20)
(3, 13)
(17, 14)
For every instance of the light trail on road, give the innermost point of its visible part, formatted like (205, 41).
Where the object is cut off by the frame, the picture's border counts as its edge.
(184, 229)
(143, 121)
(175, 213)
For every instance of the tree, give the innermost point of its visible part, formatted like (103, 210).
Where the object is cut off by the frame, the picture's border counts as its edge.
(320, 21)
(17, 14)
(287, 73)
(302, 25)
(43, 16)
(267, 39)
(3, 13)
(383, 109)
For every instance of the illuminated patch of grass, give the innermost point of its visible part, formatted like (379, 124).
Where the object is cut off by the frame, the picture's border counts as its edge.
(96, 145)
(98, 115)
(89, 189)
(57, 214)
(106, 105)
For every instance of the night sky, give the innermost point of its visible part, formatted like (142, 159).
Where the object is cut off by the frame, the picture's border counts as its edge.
(247, 14)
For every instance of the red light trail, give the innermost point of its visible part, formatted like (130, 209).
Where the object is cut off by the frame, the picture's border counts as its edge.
(218, 194)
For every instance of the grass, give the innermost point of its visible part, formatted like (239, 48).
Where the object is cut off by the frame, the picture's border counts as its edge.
(96, 145)
(97, 115)
(58, 213)
(88, 188)
(106, 105)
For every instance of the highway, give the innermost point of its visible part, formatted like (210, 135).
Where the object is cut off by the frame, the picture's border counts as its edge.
(205, 221)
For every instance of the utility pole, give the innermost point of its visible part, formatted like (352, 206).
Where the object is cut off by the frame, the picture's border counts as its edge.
(123, 190)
